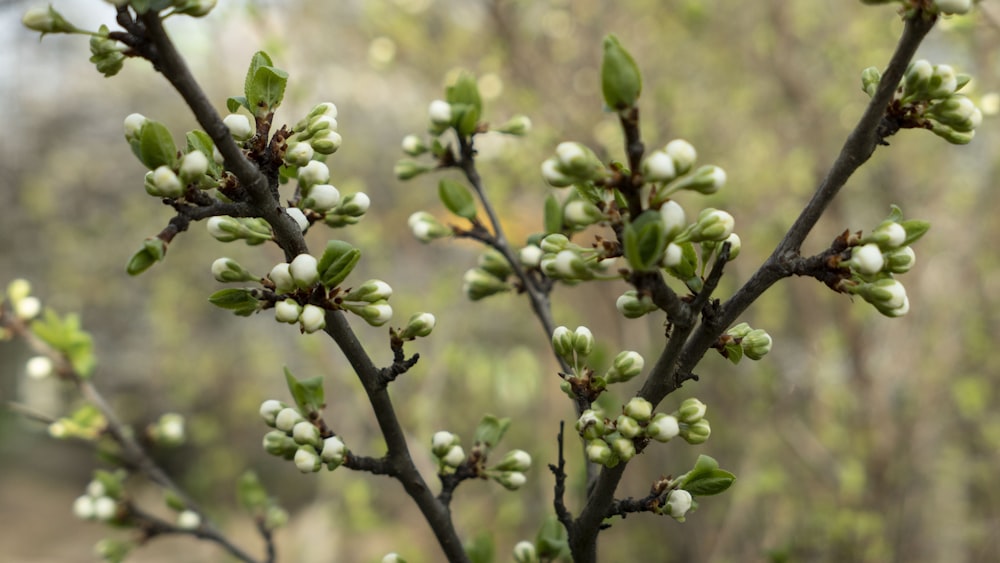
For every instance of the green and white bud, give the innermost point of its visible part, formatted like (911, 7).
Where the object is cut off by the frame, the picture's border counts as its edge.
(188, 520)
(674, 218)
(867, 259)
(525, 552)
(632, 306)
(583, 342)
(918, 77)
(756, 344)
(705, 180)
(287, 418)
(626, 365)
(83, 507)
(227, 270)
(321, 123)
(678, 504)
(577, 161)
(530, 256)
(478, 284)
(414, 145)
(900, 261)
(304, 270)
(639, 409)
(598, 451)
(514, 460)
(46, 20)
(950, 7)
(372, 291)
(943, 82)
(194, 165)
(511, 480)
(735, 245)
(621, 81)
(133, 126)
(957, 112)
(580, 213)
(194, 8)
(518, 125)
(393, 558)
(169, 430)
(355, 205)
(683, 155)
(454, 457)
(663, 427)
(568, 265)
(105, 509)
(673, 255)
(591, 424)
(313, 173)
(553, 175)
(659, 167)
(887, 295)
(322, 198)
(439, 112)
(269, 410)
(239, 126)
(313, 318)
(406, 169)
(278, 443)
(39, 367)
(299, 154)
(327, 141)
(334, 451)
(163, 182)
(426, 227)
(627, 426)
(495, 263)
(306, 459)
(740, 330)
(442, 441)
(870, 78)
(419, 325)
(281, 276)
(562, 342)
(622, 447)
(325, 108)
(697, 433)
(692, 410)
(306, 433)
(713, 225)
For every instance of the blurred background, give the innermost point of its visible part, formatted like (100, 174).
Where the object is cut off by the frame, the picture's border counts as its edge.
(859, 438)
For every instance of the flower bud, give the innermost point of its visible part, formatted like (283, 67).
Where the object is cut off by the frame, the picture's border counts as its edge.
(169, 430)
(735, 245)
(313, 318)
(706, 180)
(562, 342)
(623, 448)
(327, 141)
(683, 155)
(553, 175)
(518, 125)
(39, 367)
(900, 261)
(530, 256)
(867, 259)
(627, 426)
(692, 410)
(287, 418)
(439, 113)
(46, 20)
(639, 409)
(525, 552)
(393, 558)
(269, 410)
(325, 108)
(321, 123)
(511, 480)
(322, 198)
(739, 331)
(105, 508)
(194, 165)
(306, 459)
(583, 342)
(599, 452)
(943, 82)
(354, 205)
(299, 154)
(163, 182)
(306, 433)
(625, 366)
(580, 213)
(949, 7)
(673, 255)
(712, 224)
(407, 169)
(194, 8)
(567, 265)
(632, 306)
(514, 460)
(371, 291)
(662, 427)
(414, 145)
(659, 167)
(188, 520)
(887, 295)
(442, 441)
(227, 270)
(917, 78)
(478, 284)
(27, 308)
(239, 126)
(279, 444)
(621, 82)
(674, 219)
(454, 457)
(83, 507)
(678, 504)
(334, 451)
(577, 161)
(697, 433)
(756, 344)
(304, 270)
(419, 325)
(870, 78)
(590, 425)
(133, 126)
(495, 263)
(314, 172)
(281, 276)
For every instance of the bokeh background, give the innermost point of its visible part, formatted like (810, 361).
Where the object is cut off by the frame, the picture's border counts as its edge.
(859, 438)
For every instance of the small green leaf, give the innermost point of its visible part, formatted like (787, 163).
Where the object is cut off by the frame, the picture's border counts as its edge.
(337, 262)
(645, 241)
(153, 250)
(553, 215)
(491, 430)
(457, 198)
(173, 501)
(481, 548)
(66, 336)
(251, 493)
(734, 352)
(267, 90)
(915, 229)
(234, 103)
(307, 393)
(710, 483)
(156, 146)
(552, 541)
(465, 91)
(240, 301)
(259, 59)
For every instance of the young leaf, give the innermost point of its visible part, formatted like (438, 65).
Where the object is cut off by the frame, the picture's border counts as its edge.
(234, 103)
(266, 90)
(337, 262)
(480, 549)
(240, 301)
(66, 336)
(709, 483)
(457, 198)
(552, 541)
(152, 251)
(259, 59)
(490, 430)
(307, 393)
(645, 241)
(465, 90)
(553, 215)
(156, 146)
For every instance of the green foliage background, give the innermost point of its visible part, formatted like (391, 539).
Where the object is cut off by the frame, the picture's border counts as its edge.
(859, 438)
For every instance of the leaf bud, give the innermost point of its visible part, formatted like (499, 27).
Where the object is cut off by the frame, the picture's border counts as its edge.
(639, 409)
(239, 126)
(663, 427)
(306, 459)
(621, 82)
(313, 318)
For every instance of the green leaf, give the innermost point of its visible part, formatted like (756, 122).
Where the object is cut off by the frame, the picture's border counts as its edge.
(734, 352)
(915, 229)
(337, 262)
(481, 548)
(307, 393)
(234, 103)
(259, 59)
(267, 90)
(491, 430)
(645, 241)
(553, 215)
(465, 91)
(457, 198)
(250, 493)
(552, 541)
(240, 301)
(143, 6)
(156, 146)
(153, 250)
(710, 483)
(173, 501)
(621, 82)
(66, 336)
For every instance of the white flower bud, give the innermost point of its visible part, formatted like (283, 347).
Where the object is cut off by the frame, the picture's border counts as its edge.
(322, 197)
(83, 507)
(194, 165)
(525, 552)
(39, 367)
(659, 167)
(27, 308)
(683, 154)
(530, 256)
(512, 480)
(674, 218)
(304, 270)
(691, 410)
(454, 457)
(713, 225)
(327, 141)
(306, 433)
(867, 259)
(282, 277)
(96, 489)
(419, 325)
(306, 459)
(599, 452)
(334, 450)
(639, 409)
(269, 409)
(166, 183)
(314, 172)
(900, 261)
(239, 126)
(287, 418)
(673, 254)
(514, 460)
(170, 429)
(313, 318)
(442, 441)
(679, 503)
(627, 426)
(583, 341)
(414, 145)
(355, 205)
(133, 126)
(663, 427)
(439, 112)
(953, 6)
(299, 154)
(321, 123)
(188, 520)
(553, 176)
(105, 508)
(623, 447)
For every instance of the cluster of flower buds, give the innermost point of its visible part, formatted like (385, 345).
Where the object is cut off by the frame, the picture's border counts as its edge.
(559, 258)
(102, 499)
(24, 305)
(106, 53)
(573, 346)
(946, 7)
(928, 97)
(671, 169)
(875, 258)
(610, 442)
(315, 133)
(168, 430)
(743, 340)
(573, 164)
(252, 230)
(296, 438)
(169, 176)
(489, 277)
(369, 300)
(447, 449)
